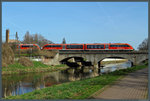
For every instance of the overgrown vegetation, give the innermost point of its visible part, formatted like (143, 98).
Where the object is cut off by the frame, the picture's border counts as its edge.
(78, 89)
(25, 62)
(37, 67)
(47, 53)
(29, 53)
(7, 55)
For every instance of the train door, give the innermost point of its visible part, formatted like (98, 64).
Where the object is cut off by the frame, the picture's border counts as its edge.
(64, 47)
(106, 47)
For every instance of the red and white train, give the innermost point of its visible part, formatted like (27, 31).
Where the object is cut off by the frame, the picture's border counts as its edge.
(110, 46)
(28, 46)
(97, 46)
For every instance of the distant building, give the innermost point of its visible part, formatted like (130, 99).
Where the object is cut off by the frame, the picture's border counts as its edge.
(10, 40)
(13, 41)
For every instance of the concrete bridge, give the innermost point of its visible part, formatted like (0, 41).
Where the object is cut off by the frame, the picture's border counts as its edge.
(97, 56)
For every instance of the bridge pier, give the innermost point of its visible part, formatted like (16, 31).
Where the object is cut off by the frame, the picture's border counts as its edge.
(51, 61)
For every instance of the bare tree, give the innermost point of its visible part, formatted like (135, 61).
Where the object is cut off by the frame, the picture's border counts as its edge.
(35, 39)
(143, 45)
(27, 38)
(42, 41)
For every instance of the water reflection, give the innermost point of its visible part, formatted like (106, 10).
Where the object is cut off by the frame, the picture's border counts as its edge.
(117, 66)
(24, 83)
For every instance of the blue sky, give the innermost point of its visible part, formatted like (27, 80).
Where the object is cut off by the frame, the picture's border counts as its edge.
(78, 22)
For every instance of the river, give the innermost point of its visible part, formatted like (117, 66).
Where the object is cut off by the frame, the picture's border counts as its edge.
(23, 83)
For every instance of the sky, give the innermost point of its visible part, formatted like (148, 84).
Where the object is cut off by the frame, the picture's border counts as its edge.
(78, 22)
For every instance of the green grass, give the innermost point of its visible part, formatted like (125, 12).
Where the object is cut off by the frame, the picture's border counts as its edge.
(78, 89)
(38, 67)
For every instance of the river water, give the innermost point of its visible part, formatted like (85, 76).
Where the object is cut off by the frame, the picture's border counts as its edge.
(23, 83)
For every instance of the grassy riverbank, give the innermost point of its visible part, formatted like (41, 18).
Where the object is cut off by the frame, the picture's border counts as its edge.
(78, 89)
(38, 67)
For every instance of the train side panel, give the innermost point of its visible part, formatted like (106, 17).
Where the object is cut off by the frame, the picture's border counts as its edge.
(74, 46)
(28, 46)
(119, 46)
(52, 47)
(94, 46)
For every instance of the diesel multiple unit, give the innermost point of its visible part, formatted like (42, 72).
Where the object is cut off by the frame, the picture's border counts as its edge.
(97, 46)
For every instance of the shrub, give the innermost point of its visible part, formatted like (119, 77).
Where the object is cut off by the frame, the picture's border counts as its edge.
(7, 55)
(4, 64)
(47, 53)
(25, 62)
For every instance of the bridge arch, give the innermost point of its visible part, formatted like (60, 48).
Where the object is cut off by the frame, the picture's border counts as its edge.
(76, 59)
(115, 57)
(73, 61)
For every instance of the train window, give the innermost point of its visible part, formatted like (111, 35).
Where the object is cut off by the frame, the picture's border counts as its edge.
(95, 46)
(119, 46)
(116, 45)
(47, 46)
(124, 46)
(25, 46)
(112, 46)
(74, 46)
(58, 45)
(53, 46)
(101, 46)
(127, 46)
(89, 46)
